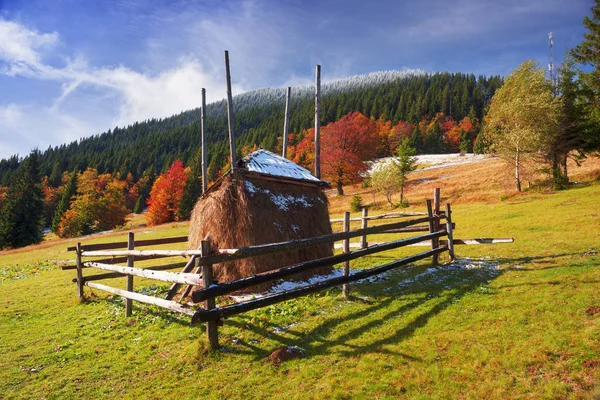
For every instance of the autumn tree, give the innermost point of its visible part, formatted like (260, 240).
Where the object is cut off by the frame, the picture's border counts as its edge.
(99, 205)
(22, 216)
(166, 194)
(345, 146)
(523, 116)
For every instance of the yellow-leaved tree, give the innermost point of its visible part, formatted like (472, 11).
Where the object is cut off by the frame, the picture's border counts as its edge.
(523, 117)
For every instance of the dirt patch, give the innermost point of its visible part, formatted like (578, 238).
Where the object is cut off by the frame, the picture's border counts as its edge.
(591, 363)
(593, 310)
(284, 354)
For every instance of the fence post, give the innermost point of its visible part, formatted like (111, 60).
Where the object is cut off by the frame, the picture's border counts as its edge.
(129, 288)
(212, 332)
(450, 234)
(79, 271)
(345, 287)
(434, 241)
(365, 223)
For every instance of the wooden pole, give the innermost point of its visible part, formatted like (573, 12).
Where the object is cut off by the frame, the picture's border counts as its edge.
(230, 112)
(175, 277)
(207, 276)
(365, 223)
(434, 241)
(317, 122)
(79, 271)
(286, 122)
(128, 302)
(203, 136)
(345, 287)
(449, 230)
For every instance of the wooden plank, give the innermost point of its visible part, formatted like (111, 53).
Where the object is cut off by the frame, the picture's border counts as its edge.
(449, 230)
(79, 271)
(203, 315)
(346, 269)
(318, 122)
(456, 242)
(177, 277)
(364, 225)
(142, 298)
(112, 275)
(123, 245)
(483, 241)
(230, 113)
(175, 287)
(286, 122)
(212, 333)
(381, 216)
(129, 288)
(422, 228)
(203, 141)
(264, 249)
(269, 276)
(114, 260)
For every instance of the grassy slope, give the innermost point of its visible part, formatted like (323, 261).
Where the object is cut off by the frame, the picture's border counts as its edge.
(519, 331)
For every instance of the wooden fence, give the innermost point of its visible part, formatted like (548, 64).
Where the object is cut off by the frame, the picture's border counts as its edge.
(204, 258)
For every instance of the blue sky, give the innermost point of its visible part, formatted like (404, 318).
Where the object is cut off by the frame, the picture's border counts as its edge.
(74, 68)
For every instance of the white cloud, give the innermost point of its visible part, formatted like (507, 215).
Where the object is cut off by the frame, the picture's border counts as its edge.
(139, 96)
(21, 45)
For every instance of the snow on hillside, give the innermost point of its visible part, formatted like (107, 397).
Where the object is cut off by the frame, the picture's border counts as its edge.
(433, 161)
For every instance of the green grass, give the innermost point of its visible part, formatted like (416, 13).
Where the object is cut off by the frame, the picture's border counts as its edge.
(516, 325)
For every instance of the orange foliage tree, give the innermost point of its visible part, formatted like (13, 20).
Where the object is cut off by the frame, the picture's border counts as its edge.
(98, 206)
(402, 130)
(165, 195)
(345, 145)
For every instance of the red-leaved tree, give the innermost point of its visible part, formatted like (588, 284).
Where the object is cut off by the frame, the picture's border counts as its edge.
(165, 195)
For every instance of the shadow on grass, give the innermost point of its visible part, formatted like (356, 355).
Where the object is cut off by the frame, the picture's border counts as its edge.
(379, 324)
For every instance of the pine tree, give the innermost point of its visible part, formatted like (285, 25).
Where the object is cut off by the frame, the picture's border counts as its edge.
(22, 217)
(192, 190)
(65, 201)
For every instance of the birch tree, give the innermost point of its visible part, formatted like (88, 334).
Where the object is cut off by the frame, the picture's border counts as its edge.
(523, 116)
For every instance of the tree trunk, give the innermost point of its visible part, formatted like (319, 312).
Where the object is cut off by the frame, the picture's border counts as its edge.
(340, 189)
(565, 157)
(401, 195)
(517, 176)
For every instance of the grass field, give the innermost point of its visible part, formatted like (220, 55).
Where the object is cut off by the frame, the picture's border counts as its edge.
(517, 320)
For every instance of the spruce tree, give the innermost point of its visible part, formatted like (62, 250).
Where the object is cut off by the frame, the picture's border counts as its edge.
(65, 201)
(22, 217)
(193, 189)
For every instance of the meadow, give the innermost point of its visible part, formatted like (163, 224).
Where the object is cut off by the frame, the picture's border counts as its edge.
(518, 320)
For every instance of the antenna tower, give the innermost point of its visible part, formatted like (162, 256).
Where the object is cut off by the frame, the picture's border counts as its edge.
(551, 65)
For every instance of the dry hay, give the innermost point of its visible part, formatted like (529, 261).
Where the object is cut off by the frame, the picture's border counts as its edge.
(242, 210)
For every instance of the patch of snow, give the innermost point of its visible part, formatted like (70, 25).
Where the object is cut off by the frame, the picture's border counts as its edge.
(295, 228)
(283, 202)
(284, 328)
(434, 160)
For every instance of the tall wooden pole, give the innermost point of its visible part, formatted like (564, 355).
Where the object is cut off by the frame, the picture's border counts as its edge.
(317, 122)
(450, 233)
(203, 135)
(432, 229)
(286, 122)
(230, 112)
(129, 288)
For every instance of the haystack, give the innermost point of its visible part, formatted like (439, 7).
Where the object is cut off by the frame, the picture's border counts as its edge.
(267, 199)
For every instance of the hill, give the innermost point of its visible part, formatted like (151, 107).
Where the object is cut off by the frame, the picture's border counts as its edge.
(149, 147)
